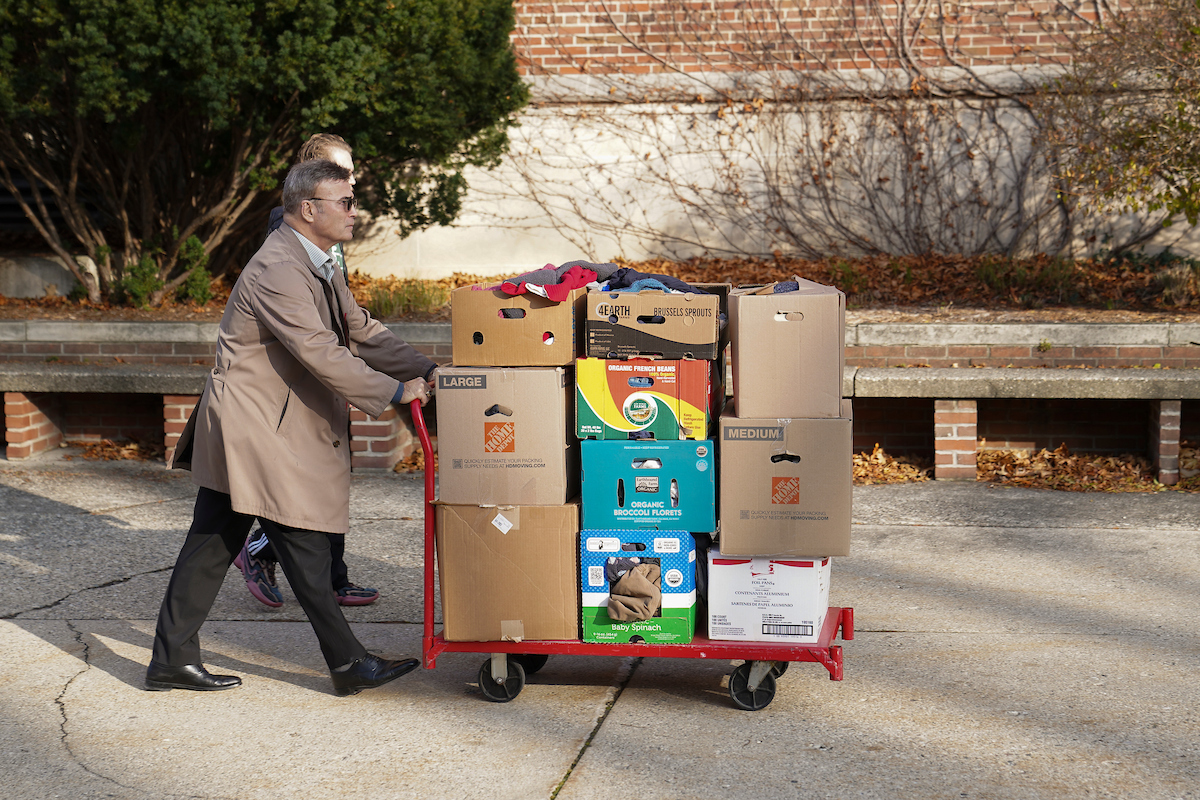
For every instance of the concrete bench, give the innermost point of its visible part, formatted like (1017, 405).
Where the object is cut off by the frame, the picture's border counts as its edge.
(37, 416)
(956, 393)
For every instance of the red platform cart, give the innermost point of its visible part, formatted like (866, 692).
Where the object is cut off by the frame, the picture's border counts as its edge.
(502, 675)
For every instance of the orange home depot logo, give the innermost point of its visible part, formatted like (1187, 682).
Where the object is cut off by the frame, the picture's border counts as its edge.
(785, 491)
(499, 437)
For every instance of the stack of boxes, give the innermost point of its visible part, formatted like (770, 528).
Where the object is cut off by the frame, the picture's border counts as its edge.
(785, 469)
(507, 514)
(648, 393)
(536, 497)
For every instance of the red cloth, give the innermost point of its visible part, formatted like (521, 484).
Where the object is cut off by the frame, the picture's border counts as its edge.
(574, 278)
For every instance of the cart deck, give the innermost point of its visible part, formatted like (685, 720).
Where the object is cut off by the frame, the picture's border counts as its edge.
(752, 685)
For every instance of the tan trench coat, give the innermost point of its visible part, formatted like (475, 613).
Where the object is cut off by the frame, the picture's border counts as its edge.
(272, 427)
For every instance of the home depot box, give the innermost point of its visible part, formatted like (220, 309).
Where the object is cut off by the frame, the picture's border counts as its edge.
(675, 554)
(653, 399)
(647, 484)
(508, 572)
(653, 323)
(788, 351)
(507, 436)
(785, 486)
(491, 328)
(764, 599)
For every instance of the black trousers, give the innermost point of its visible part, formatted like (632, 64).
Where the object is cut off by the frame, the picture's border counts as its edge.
(339, 575)
(215, 538)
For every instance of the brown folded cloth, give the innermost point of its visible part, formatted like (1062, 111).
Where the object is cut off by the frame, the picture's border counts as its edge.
(637, 595)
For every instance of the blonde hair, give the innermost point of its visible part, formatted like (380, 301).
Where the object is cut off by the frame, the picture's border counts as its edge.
(321, 145)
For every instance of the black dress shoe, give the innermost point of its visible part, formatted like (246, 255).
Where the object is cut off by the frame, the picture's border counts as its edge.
(162, 678)
(369, 672)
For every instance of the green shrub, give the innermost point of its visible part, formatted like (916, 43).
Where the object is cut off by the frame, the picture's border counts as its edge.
(406, 297)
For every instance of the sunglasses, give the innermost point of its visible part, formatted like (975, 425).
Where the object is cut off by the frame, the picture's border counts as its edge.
(349, 203)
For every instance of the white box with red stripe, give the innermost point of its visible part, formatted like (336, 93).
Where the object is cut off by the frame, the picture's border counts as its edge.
(767, 598)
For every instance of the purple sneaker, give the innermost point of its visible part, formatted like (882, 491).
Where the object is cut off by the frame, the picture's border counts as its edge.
(260, 578)
(351, 595)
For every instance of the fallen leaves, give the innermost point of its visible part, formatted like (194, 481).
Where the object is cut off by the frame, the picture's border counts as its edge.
(877, 467)
(414, 463)
(1066, 471)
(110, 450)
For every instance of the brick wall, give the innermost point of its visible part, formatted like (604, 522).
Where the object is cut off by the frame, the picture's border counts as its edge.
(1086, 426)
(33, 423)
(99, 352)
(1189, 421)
(657, 36)
(141, 352)
(956, 439)
(91, 417)
(901, 426)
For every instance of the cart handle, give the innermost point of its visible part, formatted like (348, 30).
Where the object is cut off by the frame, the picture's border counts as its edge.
(418, 419)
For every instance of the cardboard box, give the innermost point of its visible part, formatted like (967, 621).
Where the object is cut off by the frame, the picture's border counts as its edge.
(653, 323)
(785, 486)
(508, 573)
(493, 329)
(507, 436)
(788, 351)
(675, 554)
(761, 599)
(665, 485)
(660, 399)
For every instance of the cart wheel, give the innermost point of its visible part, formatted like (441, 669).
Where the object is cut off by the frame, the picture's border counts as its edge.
(780, 668)
(741, 695)
(502, 692)
(531, 662)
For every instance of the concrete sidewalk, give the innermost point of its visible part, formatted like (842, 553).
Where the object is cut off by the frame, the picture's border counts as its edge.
(1010, 644)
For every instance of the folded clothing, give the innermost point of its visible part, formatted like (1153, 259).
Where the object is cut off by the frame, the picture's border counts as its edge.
(627, 278)
(556, 283)
(637, 593)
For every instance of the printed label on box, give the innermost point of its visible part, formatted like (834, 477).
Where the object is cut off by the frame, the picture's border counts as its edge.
(785, 491)
(499, 437)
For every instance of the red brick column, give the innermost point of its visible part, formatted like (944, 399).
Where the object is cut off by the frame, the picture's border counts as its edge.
(32, 423)
(955, 439)
(1165, 416)
(380, 442)
(177, 409)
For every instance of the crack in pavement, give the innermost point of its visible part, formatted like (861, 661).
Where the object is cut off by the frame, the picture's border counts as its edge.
(624, 674)
(64, 719)
(68, 596)
(139, 505)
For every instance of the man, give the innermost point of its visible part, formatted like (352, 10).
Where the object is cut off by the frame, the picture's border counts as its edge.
(270, 435)
(257, 559)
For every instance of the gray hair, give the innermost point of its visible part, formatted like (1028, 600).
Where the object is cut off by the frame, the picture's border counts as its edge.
(303, 179)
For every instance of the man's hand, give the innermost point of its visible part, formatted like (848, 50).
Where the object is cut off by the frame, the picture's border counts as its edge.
(416, 389)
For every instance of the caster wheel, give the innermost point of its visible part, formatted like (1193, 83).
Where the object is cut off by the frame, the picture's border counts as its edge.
(531, 662)
(741, 695)
(779, 668)
(502, 692)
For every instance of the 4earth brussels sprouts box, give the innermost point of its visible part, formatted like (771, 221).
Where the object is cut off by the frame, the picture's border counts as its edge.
(516, 563)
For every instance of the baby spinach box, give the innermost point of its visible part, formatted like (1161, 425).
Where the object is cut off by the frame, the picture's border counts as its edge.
(674, 552)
